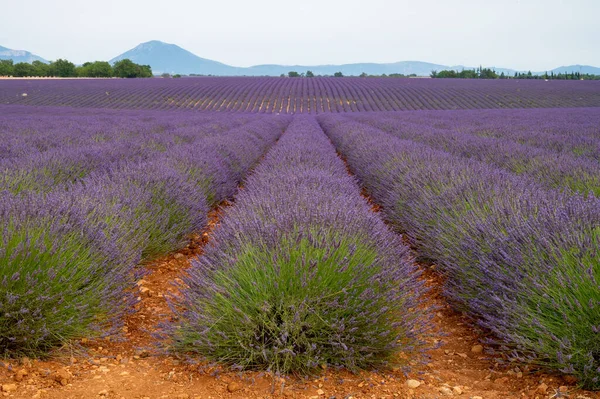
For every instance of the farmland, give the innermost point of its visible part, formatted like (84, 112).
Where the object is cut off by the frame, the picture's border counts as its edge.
(301, 95)
(309, 226)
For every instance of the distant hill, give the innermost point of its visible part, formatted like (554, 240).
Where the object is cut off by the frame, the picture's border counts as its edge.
(577, 68)
(170, 58)
(19, 56)
(403, 67)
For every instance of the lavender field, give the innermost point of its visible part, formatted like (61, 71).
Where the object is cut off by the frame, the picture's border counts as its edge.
(296, 95)
(101, 177)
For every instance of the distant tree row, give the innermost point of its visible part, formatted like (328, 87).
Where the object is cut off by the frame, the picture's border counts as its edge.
(66, 69)
(487, 73)
(479, 73)
(308, 74)
(391, 75)
(557, 76)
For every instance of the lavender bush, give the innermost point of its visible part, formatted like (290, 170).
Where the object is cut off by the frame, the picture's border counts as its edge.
(553, 169)
(522, 261)
(172, 209)
(300, 272)
(63, 272)
(69, 244)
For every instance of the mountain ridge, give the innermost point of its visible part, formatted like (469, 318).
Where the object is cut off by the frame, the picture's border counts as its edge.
(173, 59)
(19, 55)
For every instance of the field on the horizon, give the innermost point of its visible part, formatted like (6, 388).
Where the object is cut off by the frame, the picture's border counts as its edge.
(350, 186)
(301, 95)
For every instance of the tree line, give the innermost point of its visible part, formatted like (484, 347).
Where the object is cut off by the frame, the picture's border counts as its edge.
(487, 73)
(65, 69)
(558, 76)
(310, 74)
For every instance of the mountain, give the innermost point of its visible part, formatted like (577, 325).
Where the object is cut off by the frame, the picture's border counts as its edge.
(170, 58)
(577, 68)
(404, 67)
(19, 55)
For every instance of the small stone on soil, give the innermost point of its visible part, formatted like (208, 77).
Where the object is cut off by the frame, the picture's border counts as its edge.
(20, 374)
(477, 348)
(9, 387)
(62, 376)
(233, 387)
(412, 384)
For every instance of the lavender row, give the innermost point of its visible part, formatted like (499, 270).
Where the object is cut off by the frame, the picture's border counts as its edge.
(571, 131)
(104, 144)
(308, 95)
(26, 133)
(67, 256)
(300, 272)
(555, 170)
(522, 261)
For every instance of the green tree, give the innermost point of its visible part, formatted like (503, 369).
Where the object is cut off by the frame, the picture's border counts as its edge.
(310, 74)
(145, 71)
(40, 68)
(338, 75)
(23, 69)
(447, 74)
(468, 74)
(7, 68)
(98, 69)
(293, 74)
(62, 68)
(487, 73)
(128, 69)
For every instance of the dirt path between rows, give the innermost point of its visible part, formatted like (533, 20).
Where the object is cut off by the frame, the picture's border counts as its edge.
(133, 368)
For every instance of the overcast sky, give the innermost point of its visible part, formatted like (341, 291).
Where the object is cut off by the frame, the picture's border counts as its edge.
(520, 34)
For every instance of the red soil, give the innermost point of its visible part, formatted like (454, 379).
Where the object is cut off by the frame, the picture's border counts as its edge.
(134, 368)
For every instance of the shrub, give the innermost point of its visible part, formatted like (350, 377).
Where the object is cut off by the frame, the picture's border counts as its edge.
(63, 273)
(523, 262)
(300, 272)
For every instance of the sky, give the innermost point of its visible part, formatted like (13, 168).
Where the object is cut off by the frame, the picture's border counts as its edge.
(520, 34)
